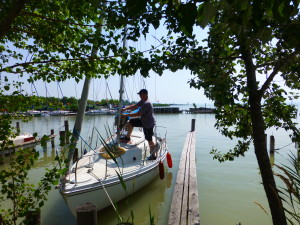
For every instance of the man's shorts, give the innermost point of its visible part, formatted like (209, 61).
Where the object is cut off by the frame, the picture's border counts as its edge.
(148, 132)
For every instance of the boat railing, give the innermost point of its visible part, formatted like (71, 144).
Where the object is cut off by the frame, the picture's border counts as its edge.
(91, 157)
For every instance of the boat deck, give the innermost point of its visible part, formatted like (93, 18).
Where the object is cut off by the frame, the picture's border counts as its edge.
(92, 167)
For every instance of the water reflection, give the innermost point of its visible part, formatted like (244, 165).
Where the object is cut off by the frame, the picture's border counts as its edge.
(149, 198)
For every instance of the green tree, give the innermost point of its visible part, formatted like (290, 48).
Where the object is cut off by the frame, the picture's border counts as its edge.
(52, 40)
(249, 44)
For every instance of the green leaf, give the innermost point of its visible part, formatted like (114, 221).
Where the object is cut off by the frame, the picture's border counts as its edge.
(135, 8)
(186, 15)
(206, 13)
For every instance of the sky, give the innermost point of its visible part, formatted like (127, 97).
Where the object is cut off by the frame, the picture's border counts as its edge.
(172, 88)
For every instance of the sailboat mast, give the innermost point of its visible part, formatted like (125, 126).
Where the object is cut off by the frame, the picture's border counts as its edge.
(121, 90)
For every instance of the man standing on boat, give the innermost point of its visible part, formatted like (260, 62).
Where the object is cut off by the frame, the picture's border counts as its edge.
(146, 119)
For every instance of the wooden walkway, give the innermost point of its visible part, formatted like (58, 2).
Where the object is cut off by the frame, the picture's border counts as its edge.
(166, 110)
(185, 206)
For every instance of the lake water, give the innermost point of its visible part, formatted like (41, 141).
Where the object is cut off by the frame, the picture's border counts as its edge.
(229, 192)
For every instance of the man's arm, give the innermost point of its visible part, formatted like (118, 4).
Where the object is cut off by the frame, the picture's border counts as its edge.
(134, 106)
(139, 113)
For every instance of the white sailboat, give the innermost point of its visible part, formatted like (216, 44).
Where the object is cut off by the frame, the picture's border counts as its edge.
(94, 178)
(98, 179)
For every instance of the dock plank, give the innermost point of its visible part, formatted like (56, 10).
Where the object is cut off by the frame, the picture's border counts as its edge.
(174, 216)
(193, 214)
(185, 207)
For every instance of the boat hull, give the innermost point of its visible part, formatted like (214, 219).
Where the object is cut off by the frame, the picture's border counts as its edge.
(96, 193)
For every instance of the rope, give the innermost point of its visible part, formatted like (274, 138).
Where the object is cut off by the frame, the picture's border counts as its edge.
(84, 140)
(283, 146)
(113, 205)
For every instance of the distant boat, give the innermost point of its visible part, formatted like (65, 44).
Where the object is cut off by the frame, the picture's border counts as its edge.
(104, 111)
(34, 113)
(25, 140)
(22, 139)
(62, 113)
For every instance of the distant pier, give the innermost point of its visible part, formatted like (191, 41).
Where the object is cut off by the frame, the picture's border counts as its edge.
(166, 110)
(200, 110)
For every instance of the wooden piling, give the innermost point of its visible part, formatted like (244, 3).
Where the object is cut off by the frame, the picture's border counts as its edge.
(272, 159)
(185, 207)
(52, 139)
(86, 214)
(272, 144)
(75, 155)
(18, 128)
(62, 137)
(67, 132)
(266, 140)
(193, 125)
(34, 217)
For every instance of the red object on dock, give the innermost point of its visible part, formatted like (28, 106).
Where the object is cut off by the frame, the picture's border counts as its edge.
(161, 170)
(169, 160)
(28, 139)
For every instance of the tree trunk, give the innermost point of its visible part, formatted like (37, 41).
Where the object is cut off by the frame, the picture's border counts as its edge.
(263, 160)
(258, 132)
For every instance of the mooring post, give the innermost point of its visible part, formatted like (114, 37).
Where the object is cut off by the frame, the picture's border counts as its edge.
(52, 137)
(62, 137)
(67, 131)
(75, 155)
(272, 144)
(18, 128)
(193, 125)
(86, 214)
(34, 217)
(266, 140)
(272, 159)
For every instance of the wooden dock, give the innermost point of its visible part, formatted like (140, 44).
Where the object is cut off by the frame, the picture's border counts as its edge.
(200, 110)
(185, 206)
(166, 110)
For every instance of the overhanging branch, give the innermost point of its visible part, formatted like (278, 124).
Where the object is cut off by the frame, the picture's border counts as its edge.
(60, 21)
(279, 65)
(15, 10)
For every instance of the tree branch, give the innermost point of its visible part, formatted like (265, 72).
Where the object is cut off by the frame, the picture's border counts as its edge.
(61, 21)
(49, 61)
(15, 10)
(279, 65)
(65, 60)
(265, 64)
